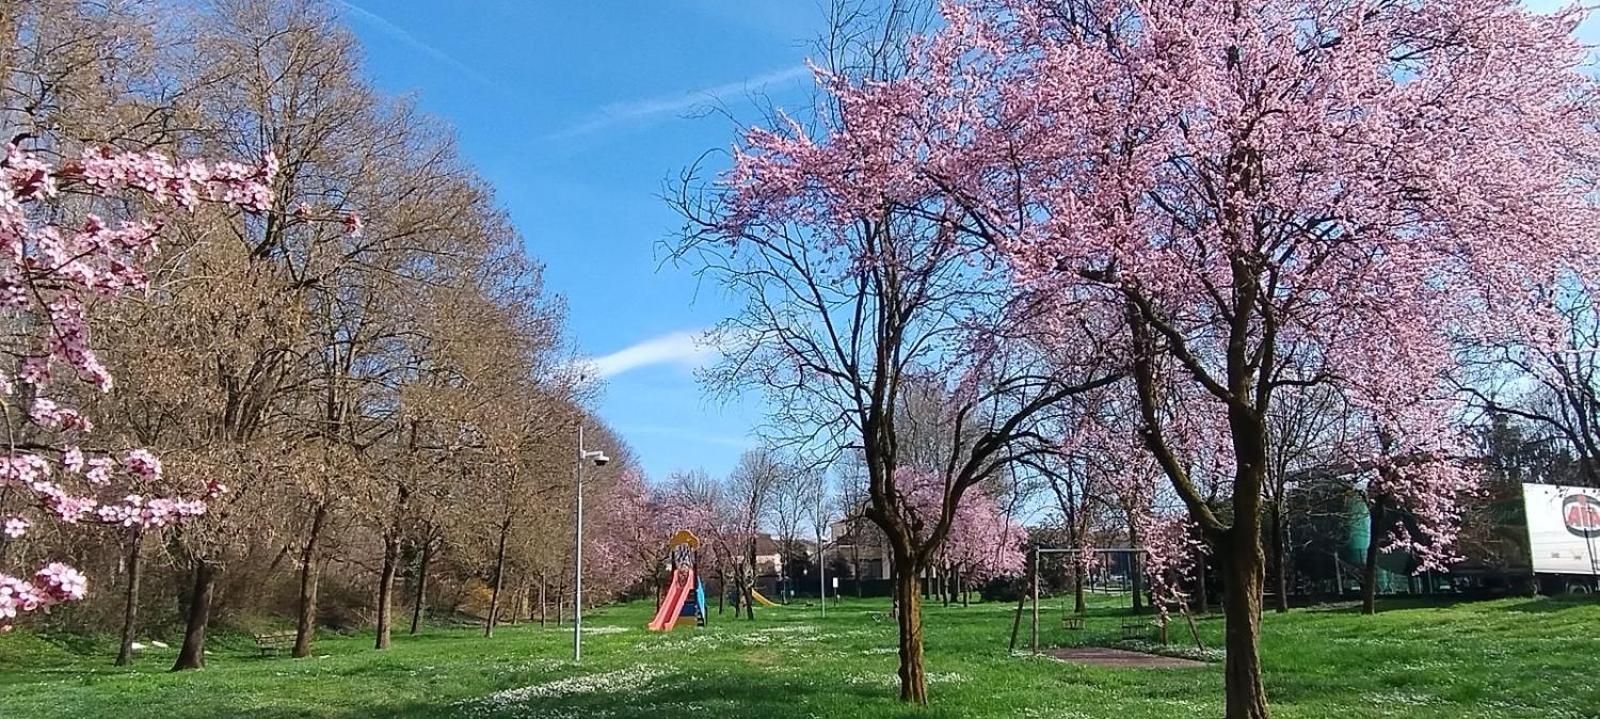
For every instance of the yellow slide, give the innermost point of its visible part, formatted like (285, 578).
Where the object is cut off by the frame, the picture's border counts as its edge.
(765, 602)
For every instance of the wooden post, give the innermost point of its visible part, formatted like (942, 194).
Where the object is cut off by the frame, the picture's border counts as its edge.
(1035, 632)
(1194, 631)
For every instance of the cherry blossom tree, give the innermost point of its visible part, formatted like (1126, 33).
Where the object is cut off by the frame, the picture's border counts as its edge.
(1351, 183)
(1411, 466)
(984, 542)
(627, 540)
(51, 274)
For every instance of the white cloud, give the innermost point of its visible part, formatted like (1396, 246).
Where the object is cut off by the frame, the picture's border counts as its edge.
(652, 107)
(685, 349)
(404, 37)
(684, 435)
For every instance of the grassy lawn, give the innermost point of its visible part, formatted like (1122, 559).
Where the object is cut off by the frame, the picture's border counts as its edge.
(1505, 658)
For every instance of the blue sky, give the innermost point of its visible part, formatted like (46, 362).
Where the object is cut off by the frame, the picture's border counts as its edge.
(578, 113)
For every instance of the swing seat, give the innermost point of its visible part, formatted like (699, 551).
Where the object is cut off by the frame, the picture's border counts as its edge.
(1136, 629)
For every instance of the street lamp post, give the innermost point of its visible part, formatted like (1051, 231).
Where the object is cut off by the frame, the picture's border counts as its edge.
(599, 458)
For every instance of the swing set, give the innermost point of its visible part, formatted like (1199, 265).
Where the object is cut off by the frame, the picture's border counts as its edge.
(1127, 582)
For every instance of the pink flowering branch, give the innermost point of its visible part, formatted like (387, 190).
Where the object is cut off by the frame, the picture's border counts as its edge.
(48, 271)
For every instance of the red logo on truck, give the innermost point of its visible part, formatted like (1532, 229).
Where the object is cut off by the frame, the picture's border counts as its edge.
(1581, 512)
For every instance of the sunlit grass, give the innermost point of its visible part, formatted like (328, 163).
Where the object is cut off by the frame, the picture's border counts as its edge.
(1506, 658)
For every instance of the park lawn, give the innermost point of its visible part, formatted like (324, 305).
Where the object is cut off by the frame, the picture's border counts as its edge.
(1507, 658)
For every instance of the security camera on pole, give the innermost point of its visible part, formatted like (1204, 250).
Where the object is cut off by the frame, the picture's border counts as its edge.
(600, 459)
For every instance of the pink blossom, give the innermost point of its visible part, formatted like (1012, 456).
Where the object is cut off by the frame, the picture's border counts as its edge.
(50, 271)
(142, 464)
(353, 224)
(52, 585)
(48, 414)
(99, 471)
(982, 542)
(72, 458)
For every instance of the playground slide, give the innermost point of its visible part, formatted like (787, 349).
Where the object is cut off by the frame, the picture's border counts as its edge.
(763, 601)
(667, 614)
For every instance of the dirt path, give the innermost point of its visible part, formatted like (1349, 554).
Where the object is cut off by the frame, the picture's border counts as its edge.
(1105, 657)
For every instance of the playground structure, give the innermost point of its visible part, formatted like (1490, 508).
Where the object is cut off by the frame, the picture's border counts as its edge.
(762, 600)
(685, 595)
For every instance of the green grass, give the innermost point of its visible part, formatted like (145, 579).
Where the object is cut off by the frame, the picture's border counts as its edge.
(1505, 658)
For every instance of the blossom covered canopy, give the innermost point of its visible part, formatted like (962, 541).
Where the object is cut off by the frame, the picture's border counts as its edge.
(1287, 192)
(1398, 169)
(983, 541)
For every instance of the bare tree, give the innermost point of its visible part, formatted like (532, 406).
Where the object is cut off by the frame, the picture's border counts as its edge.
(1551, 382)
(838, 321)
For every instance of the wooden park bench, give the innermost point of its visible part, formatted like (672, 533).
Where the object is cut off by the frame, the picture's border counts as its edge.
(1071, 621)
(270, 643)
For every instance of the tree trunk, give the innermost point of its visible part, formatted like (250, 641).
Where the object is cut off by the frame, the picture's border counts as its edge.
(1078, 604)
(913, 675)
(421, 600)
(1280, 565)
(894, 593)
(750, 585)
(855, 551)
(130, 604)
(1205, 585)
(1369, 569)
(499, 581)
(310, 573)
(193, 653)
(542, 604)
(1135, 574)
(1244, 569)
(391, 565)
(561, 603)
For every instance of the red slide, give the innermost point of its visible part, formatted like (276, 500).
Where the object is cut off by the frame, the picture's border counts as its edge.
(672, 603)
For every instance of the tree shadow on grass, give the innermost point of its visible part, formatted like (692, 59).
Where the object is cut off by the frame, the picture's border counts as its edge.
(1552, 605)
